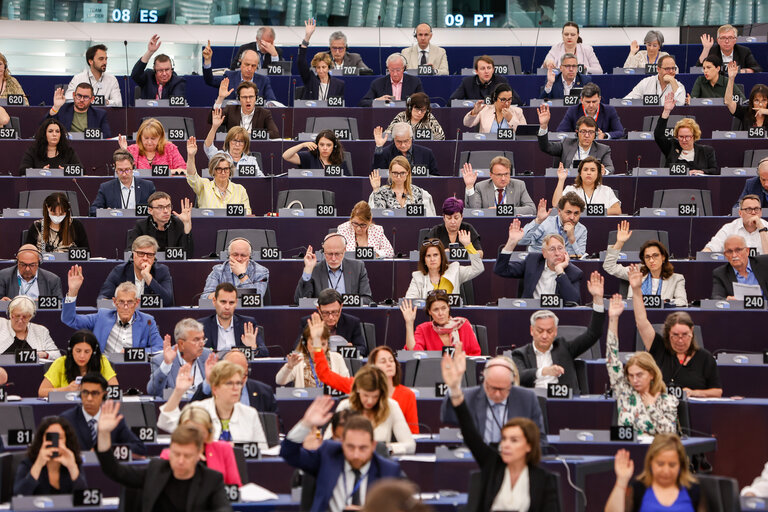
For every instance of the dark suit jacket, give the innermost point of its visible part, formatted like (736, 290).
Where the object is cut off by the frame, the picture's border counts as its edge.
(607, 120)
(383, 85)
(97, 118)
(326, 464)
(348, 327)
(724, 276)
(564, 151)
(355, 281)
(175, 235)
(206, 491)
(568, 284)
(261, 81)
(110, 196)
(253, 45)
(472, 89)
(420, 156)
(261, 120)
(312, 83)
(354, 60)
(521, 402)
(260, 395)
(212, 332)
(558, 91)
(162, 283)
(121, 435)
(145, 78)
(703, 155)
(741, 54)
(753, 186)
(563, 353)
(47, 282)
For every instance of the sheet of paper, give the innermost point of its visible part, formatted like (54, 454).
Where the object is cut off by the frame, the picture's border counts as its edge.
(253, 492)
(740, 290)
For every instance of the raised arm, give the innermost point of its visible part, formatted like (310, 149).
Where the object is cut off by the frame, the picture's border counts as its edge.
(191, 152)
(409, 316)
(291, 154)
(217, 118)
(624, 469)
(733, 70)
(562, 175)
(644, 327)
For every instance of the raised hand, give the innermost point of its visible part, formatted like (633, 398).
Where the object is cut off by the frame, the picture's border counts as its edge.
(169, 351)
(733, 69)
(669, 98)
(154, 44)
(408, 310)
(707, 42)
(210, 362)
(379, 136)
(596, 286)
(309, 28)
(624, 467)
(477, 107)
(191, 147)
(186, 213)
(74, 280)
(464, 237)
(635, 277)
(544, 115)
(615, 306)
(217, 117)
(316, 328)
(310, 260)
(207, 54)
(469, 175)
(453, 369)
(515, 233)
(551, 76)
(293, 359)
(249, 335)
(375, 179)
(623, 233)
(310, 145)
(184, 379)
(110, 416)
(562, 172)
(58, 99)
(319, 411)
(633, 47)
(224, 89)
(122, 141)
(541, 211)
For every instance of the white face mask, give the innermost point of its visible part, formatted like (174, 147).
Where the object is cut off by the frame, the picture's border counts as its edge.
(57, 219)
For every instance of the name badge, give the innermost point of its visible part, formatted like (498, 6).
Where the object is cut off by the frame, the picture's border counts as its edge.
(73, 170)
(756, 132)
(175, 253)
(246, 170)
(570, 100)
(651, 69)
(678, 169)
(78, 254)
(622, 433)
(26, 356)
(423, 134)
(414, 210)
(161, 170)
(342, 133)
(501, 69)
(7, 133)
(151, 300)
(48, 302)
(333, 171)
(596, 209)
(335, 101)
(259, 134)
(505, 210)
(251, 300)
(425, 69)
(177, 134)
(348, 352)
(99, 100)
(270, 253)
(652, 301)
(135, 355)
(351, 299)
(177, 101)
(505, 134)
(687, 209)
(92, 134)
(650, 99)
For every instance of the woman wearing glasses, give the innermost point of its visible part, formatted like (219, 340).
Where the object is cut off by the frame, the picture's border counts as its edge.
(300, 367)
(418, 113)
(237, 144)
(152, 148)
(683, 363)
(588, 185)
(498, 115)
(219, 191)
(360, 231)
(51, 149)
(399, 191)
(683, 146)
(18, 332)
(443, 330)
(435, 273)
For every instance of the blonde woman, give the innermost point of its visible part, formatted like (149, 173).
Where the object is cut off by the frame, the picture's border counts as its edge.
(399, 191)
(152, 148)
(361, 231)
(237, 143)
(8, 84)
(219, 191)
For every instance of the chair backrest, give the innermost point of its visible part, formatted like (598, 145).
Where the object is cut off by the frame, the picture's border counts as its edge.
(570, 332)
(257, 237)
(650, 122)
(515, 67)
(16, 125)
(369, 333)
(308, 485)
(422, 236)
(137, 414)
(467, 293)
(482, 159)
(425, 373)
(6, 477)
(353, 364)
(639, 237)
(684, 417)
(348, 160)
(309, 198)
(242, 464)
(581, 375)
(17, 417)
(257, 156)
(671, 198)
(35, 198)
(712, 494)
(481, 332)
(271, 424)
(752, 157)
(298, 92)
(318, 124)
(474, 492)
(659, 328)
(544, 414)
(176, 123)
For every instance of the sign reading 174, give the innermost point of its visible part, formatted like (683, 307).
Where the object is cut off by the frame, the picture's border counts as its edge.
(478, 20)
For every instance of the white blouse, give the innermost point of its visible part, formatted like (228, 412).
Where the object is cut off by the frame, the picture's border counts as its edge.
(394, 423)
(296, 374)
(603, 194)
(514, 498)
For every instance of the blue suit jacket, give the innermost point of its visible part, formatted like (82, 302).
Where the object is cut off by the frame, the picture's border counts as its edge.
(752, 186)
(568, 285)
(421, 156)
(145, 333)
(558, 92)
(110, 196)
(121, 435)
(261, 81)
(212, 332)
(97, 118)
(326, 464)
(607, 120)
(383, 85)
(162, 283)
(521, 402)
(158, 381)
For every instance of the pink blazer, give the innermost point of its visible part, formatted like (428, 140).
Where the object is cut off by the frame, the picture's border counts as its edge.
(487, 115)
(220, 456)
(170, 157)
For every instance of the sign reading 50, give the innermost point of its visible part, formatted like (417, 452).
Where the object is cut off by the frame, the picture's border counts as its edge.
(124, 16)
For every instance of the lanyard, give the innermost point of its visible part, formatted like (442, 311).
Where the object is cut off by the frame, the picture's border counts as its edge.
(127, 198)
(493, 414)
(330, 279)
(23, 291)
(314, 376)
(355, 488)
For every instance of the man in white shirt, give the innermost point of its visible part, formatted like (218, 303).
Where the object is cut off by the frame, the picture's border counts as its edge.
(103, 83)
(750, 225)
(190, 340)
(423, 53)
(660, 84)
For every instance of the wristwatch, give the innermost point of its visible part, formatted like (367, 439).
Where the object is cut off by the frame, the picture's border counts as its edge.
(241, 276)
(762, 230)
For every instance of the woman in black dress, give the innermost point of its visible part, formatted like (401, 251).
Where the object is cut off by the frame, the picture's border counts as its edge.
(51, 149)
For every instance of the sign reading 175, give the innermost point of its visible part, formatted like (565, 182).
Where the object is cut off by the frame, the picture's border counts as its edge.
(124, 16)
(457, 20)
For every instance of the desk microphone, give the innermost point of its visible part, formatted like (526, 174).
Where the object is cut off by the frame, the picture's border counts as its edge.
(456, 151)
(690, 230)
(125, 80)
(282, 142)
(378, 24)
(536, 44)
(235, 48)
(637, 179)
(74, 180)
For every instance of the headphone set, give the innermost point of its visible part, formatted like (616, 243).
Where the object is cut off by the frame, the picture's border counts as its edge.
(422, 23)
(331, 235)
(335, 140)
(39, 254)
(229, 245)
(409, 107)
(16, 301)
(503, 362)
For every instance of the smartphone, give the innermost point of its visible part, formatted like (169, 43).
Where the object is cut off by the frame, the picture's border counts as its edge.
(53, 437)
(78, 379)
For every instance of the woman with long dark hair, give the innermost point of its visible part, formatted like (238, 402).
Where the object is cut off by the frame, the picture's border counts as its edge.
(418, 113)
(83, 356)
(325, 150)
(300, 367)
(51, 148)
(57, 231)
(756, 111)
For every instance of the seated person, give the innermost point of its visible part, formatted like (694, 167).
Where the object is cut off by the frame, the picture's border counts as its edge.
(83, 356)
(758, 185)
(728, 51)
(750, 225)
(682, 362)
(663, 83)
(324, 151)
(608, 123)
(83, 418)
(225, 330)
(299, 366)
(499, 114)
(237, 144)
(149, 276)
(51, 149)
(361, 231)
(518, 453)
(169, 229)
(104, 83)
(653, 42)
(683, 146)
(343, 327)
(8, 84)
(565, 223)
(396, 85)
(557, 89)
(424, 53)
(152, 148)
(573, 44)
(165, 483)
(759, 486)
(754, 112)
(17, 332)
(246, 115)
(249, 63)
(442, 329)
(500, 189)
(27, 278)
(240, 270)
(343, 275)
(574, 149)
(162, 82)
(319, 85)
(370, 397)
(713, 84)
(589, 185)
(79, 115)
(51, 468)
(402, 145)
(218, 191)
(741, 268)
(57, 231)
(543, 274)
(418, 113)
(500, 397)
(3, 377)
(399, 190)
(480, 85)
(116, 329)
(548, 359)
(660, 277)
(435, 273)
(125, 191)
(341, 56)
(264, 46)
(188, 352)
(4, 117)
(641, 396)
(453, 224)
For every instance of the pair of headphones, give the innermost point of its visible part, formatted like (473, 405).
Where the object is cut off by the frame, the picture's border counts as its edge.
(422, 23)
(335, 139)
(500, 88)
(503, 362)
(331, 235)
(239, 238)
(409, 106)
(39, 254)
(18, 299)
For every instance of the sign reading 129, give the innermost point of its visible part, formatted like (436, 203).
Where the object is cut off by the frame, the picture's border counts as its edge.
(124, 16)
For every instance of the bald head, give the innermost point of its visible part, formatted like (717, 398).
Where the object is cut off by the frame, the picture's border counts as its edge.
(498, 379)
(240, 246)
(28, 261)
(249, 63)
(423, 35)
(238, 358)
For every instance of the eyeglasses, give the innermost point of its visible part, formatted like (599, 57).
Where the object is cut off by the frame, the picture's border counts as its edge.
(143, 254)
(124, 171)
(359, 225)
(556, 249)
(398, 174)
(161, 207)
(437, 293)
(29, 265)
(82, 97)
(233, 384)
(504, 100)
(754, 209)
(222, 170)
(587, 132)
(247, 98)
(94, 394)
(125, 304)
(196, 341)
(338, 48)
(237, 141)
(327, 314)
(395, 70)
(669, 69)
(726, 38)
(728, 252)
(653, 256)
(685, 137)
(333, 254)
(420, 109)
(431, 241)
(680, 335)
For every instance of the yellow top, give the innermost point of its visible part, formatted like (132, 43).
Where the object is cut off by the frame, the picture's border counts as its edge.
(209, 195)
(58, 377)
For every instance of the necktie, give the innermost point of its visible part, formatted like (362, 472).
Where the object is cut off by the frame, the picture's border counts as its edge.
(356, 488)
(159, 92)
(500, 193)
(423, 58)
(92, 426)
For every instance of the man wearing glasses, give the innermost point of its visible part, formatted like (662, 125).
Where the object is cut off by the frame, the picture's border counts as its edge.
(167, 227)
(161, 82)
(572, 150)
(116, 329)
(727, 49)
(246, 115)
(661, 84)
(79, 115)
(396, 86)
(741, 268)
(750, 226)
(125, 191)
(344, 328)
(569, 78)
(402, 145)
(341, 57)
(27, 278)
(500, 189)
(189, 348)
